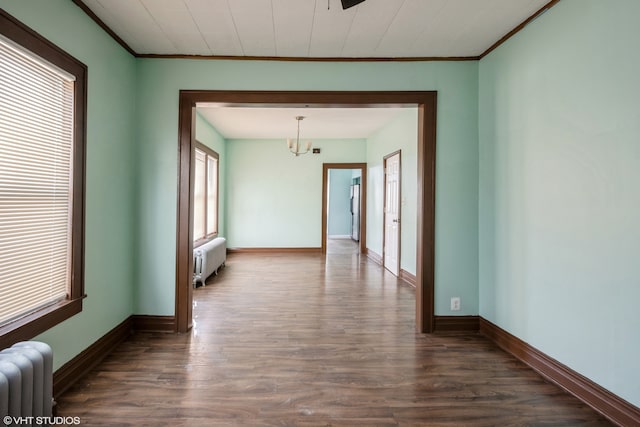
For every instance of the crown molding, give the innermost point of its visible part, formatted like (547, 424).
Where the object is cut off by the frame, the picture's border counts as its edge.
(105, 27)
(310, 59)
(517, 29)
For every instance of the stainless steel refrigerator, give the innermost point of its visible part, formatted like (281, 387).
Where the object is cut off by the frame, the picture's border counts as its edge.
(355, 212)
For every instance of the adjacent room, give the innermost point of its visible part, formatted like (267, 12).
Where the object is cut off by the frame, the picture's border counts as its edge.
(428, 210)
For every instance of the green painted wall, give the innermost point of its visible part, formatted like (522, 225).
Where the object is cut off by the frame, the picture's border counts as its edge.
(209, 136)
(400, 134)
(159, 82)
(560, 189)
(275, 198)
(456, 206)
(111, 182)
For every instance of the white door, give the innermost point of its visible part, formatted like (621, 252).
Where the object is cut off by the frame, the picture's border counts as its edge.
(392, 214)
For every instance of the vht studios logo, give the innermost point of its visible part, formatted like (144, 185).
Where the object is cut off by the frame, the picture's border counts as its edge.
(40, 421)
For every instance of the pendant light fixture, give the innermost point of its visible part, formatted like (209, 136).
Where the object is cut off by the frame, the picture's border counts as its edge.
(294, 146)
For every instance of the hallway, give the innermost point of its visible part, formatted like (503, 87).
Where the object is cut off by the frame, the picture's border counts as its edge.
(342, 246)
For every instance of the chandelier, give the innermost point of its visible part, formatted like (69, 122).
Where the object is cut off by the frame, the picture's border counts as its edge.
(294, 146)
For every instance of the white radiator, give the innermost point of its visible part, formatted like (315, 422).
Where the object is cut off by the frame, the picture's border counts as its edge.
(208, 258)
(26, 381)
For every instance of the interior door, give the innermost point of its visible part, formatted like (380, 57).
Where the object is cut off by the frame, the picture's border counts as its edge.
(392, 213)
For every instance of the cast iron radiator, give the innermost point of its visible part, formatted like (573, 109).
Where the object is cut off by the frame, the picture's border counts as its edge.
(26, 381)
(208, 258)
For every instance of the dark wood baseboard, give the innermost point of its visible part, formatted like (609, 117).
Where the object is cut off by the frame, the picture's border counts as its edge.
(608, 404)
(404, 274)
(456, 324)
(80, 365)
(144, 323)
(374, 256)
(408, 277)
(273, 250)
(76, 368)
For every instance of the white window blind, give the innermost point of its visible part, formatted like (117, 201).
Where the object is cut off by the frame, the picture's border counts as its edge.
(212, 195)
(205, 194)
(199, 196)
(36, 160)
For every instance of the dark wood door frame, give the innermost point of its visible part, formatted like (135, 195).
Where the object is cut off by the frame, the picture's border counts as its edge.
(425, 101)
(363, 200)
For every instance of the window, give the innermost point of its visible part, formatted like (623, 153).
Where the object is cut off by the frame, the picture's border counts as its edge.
(205, 194)
(42, 140)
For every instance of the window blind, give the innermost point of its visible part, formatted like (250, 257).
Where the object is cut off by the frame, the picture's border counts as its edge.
(36, 161)
(199, 193)
(212, 195)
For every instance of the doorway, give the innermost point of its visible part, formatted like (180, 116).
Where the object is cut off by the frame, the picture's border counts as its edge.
(362, 205)
(426, 102)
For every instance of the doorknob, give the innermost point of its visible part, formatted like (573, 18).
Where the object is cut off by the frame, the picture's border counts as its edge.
(397, 221)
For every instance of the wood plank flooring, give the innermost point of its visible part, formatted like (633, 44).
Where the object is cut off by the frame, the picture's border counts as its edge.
(307, 340)
(342, 246)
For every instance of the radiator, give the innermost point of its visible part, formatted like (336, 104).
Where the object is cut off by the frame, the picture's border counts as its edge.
(26, 380)
(208, 258)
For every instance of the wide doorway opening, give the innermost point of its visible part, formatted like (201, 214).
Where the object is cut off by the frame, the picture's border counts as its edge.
(425, 101)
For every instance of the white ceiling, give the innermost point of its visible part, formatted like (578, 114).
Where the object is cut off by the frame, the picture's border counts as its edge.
(309, 29)
(319, 123)
(305, 28)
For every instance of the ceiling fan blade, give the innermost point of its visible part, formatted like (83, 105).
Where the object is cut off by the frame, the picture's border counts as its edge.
(346, 4)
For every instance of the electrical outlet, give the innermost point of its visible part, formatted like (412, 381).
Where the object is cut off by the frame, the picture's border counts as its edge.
(455, 304)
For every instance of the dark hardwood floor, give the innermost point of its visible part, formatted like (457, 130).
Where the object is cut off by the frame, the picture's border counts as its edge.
(307, 340)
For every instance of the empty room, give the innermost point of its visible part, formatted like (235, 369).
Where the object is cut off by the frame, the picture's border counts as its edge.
(319, 212)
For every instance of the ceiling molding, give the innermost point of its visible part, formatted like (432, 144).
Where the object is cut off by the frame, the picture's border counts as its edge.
(108, 30)
(104, 26)
(517, 29)
(309, 59)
